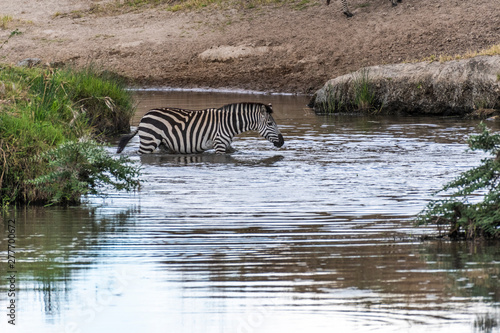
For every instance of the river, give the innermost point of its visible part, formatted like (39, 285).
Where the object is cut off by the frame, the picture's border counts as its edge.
(316, 236)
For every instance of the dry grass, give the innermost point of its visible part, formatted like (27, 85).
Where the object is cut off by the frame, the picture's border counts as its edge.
(4, 21)
(115, 7)
(491, 51)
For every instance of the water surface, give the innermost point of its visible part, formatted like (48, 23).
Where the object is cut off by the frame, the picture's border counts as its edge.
(316, 236)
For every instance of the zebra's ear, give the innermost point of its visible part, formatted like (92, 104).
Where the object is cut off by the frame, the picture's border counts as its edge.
(269, 108)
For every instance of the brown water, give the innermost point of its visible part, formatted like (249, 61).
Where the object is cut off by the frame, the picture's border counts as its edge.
(313, 237)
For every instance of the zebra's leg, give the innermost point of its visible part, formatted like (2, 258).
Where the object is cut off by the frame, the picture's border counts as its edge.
(221, 146)
(394, 4)
(230, 149)
(148, 144)
(345, 9)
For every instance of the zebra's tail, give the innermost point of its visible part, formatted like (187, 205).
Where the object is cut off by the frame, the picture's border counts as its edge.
(125, 139)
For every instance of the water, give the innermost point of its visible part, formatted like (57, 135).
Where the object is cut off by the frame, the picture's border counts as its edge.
(316, 236)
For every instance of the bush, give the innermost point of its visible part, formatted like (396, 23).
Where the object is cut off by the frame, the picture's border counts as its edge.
(466, 219)
(43, 108)
(76, 168)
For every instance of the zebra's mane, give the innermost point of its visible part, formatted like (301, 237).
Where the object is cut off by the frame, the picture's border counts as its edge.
(269, 108)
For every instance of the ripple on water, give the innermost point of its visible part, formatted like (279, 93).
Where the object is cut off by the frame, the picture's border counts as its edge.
(314, 236)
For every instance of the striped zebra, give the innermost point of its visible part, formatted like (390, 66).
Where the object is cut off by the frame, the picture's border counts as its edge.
(194, 131)
(346, 11)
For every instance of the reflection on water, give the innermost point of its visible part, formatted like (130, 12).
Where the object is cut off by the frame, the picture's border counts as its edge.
(315, 236)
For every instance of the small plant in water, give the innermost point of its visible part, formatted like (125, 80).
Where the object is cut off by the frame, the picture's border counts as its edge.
(464, 218)
(336, 100)
(356, 94)
(364, 95)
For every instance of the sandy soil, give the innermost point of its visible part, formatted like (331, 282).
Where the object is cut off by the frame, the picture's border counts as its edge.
(269, 49)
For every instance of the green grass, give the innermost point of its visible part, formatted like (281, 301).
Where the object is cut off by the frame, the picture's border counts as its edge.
(101, 98)
(337, 100)
(41, 109)
(354, 95)
(299, 5)
(364, 94)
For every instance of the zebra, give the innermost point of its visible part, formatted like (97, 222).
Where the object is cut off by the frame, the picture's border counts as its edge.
(194, 131)
(346, 11)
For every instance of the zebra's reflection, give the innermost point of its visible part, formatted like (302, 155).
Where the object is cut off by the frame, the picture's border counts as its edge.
(207, 158)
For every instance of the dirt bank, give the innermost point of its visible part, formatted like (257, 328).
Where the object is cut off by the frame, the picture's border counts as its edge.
(281, 49)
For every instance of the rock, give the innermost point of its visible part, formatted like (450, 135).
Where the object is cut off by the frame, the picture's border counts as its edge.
(29, 62)
(225, 53)
(483, 114)
(494, 118)
(453, 87)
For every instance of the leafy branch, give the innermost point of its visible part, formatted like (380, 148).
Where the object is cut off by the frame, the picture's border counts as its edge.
(478, 218)
(78, 168)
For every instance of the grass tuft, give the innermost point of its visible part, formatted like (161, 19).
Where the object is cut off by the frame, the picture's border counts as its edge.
(4, 21)
(354, 95)
(364, 94)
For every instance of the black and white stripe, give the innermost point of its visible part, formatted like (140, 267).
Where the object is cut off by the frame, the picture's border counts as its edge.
(194, 131)
(346, 11)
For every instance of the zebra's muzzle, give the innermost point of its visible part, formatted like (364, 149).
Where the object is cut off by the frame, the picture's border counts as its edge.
(280, 141)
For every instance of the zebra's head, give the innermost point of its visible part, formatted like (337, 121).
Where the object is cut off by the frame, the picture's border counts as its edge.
(267, 126)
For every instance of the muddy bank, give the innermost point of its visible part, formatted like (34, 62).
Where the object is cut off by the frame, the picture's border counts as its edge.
(449, 88)
(272, 48)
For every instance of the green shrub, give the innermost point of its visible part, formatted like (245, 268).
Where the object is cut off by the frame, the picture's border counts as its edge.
(76, 168)
(473, 209)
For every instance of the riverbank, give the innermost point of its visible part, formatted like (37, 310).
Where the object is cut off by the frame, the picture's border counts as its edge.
(48, 121)
(277, 48)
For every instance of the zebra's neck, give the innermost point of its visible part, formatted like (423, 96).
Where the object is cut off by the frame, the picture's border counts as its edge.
(241, 119)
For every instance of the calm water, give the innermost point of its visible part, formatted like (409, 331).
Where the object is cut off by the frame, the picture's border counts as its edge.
(313, 237)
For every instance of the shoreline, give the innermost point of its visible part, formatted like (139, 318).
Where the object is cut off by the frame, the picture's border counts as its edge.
(211, 90)
(269, 48)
